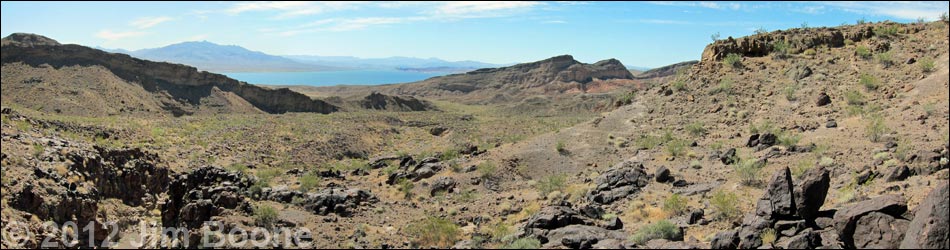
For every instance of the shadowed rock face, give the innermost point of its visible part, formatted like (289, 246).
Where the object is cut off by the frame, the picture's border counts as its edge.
(394, 103)
(182, 82)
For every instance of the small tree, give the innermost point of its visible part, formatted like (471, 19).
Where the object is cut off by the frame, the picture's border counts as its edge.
(714, 37)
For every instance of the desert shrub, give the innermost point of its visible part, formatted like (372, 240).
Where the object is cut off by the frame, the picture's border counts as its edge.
(648, 141)
(854, 98)
(789, 140)
(927, 65)
(780, 48)
(449, 154)
(943, 17)
(433, 231)
(524, 243)
(863, 52)
(748, 170)
(790, 92)
(696, 129)
(848, 42)
(499, 230)
(763, 127)
(804, 25)
(726, 205)
(802, 166)
(550, 184)
(560, 147)
(265, 216)
(486, 170)
(733, 59)
(885, 59)
(678, 85)
(677, 147)
(663, 229)
(405, 187)
(768, 236)
(810, 52)
(886, 31)
(714, 37)
(876, 128)
(265, 176)
(237, 167)
(626, 98)
(861, 21)
(308, 182)
(675, 205)
(869, 82)
(760, 31)
(725, 86)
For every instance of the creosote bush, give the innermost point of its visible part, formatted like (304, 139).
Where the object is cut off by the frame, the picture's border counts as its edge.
(433, 232)
(663, 229)
(734, 60)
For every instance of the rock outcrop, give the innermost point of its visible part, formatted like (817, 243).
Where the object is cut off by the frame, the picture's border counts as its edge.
(798, 40)
(930, 228)
(184, 84)
(618, 182)
(379, 101)
(665, 71)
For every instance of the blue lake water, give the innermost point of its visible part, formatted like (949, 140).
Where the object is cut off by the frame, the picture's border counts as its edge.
(330, 78)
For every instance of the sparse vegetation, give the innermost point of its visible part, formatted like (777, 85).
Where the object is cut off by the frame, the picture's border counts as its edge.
(678, 85)
(780, 49)
(648, 141)
(714, 37)
(524, 243)
(790, 92)
(308, 182)
(560, 147)
(486, 170)
(885, 59)
(734, 60)
(405, 187)
(761, 30)
(943, 17)
(876, 128)
(725, 86)
(663, 229)
(433, 232)
(863, 52)
(748, 170)
(626, 98)
(551, 183)
(675, 205)
(869, 82)
(696, 129)
(886, 31)
(768, 236)
(726, 205)
(677, 147)
(789, 140)
(265, 216)
(927, 65)
(854, 98)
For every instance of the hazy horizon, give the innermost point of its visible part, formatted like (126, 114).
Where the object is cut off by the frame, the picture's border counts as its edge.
(640, 34)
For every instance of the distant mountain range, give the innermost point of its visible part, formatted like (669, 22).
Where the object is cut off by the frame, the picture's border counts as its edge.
(214, 57)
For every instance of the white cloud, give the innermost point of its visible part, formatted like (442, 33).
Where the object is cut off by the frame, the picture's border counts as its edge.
(112, 36)
(293, 8)
(342, 24)
(478, 9)
(148, 22)
(710, 5)
(902, 10)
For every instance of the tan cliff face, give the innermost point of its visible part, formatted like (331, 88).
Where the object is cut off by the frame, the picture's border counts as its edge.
(183, 83)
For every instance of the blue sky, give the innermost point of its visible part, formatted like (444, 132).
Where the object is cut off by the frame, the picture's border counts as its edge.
(650, 34)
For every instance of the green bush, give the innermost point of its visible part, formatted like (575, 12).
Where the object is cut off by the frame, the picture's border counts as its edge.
(626, 98)
(560, 147)
(869, 82)
(696, 129)
(854, 98)
(763, 127)
(733, 59)
(433, 232)
(308, 182)
(790, 92)
(780, 48)
(550, 184)
(876, 128)
(886, 31)
(748, 171)
(663, 229)
(486, 170)
(725, 86)
(524, 243)
(405, 187)
(648, 141)
(788, 140)
(726, 205)
(675, 205)
(863, 52)
(927, 65)
(678, 85)
(885, 59)
(265, 216)
(677, 148)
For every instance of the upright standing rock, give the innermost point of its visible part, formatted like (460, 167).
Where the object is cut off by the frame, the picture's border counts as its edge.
(780, 195)
(811, 191)
(931, 224)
